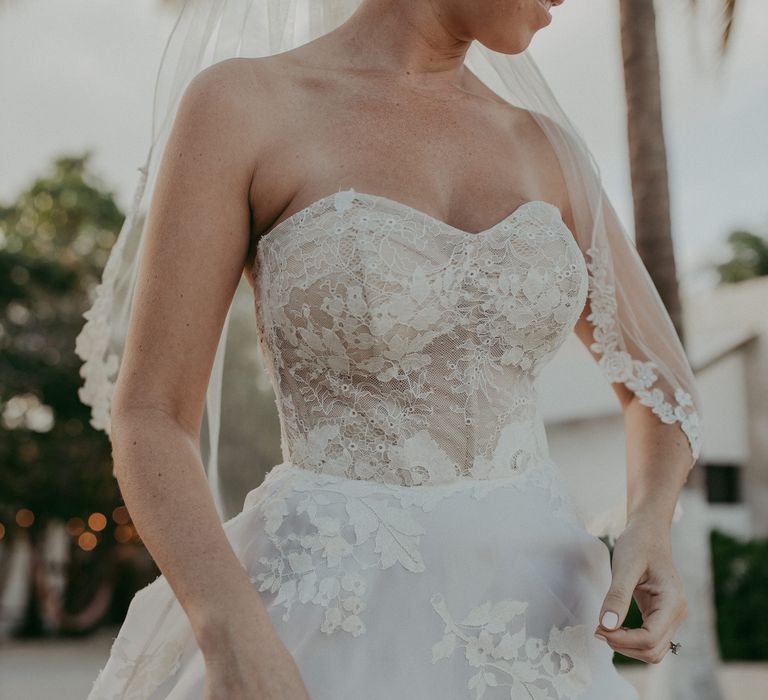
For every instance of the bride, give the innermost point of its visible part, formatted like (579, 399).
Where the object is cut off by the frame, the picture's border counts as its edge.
(418, 247)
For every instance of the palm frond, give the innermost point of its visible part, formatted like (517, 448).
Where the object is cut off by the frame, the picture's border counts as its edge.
(728, 16)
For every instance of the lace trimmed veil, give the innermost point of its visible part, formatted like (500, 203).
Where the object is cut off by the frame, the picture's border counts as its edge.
(634, 339)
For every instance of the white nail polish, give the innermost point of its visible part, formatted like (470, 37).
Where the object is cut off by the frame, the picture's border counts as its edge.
(610, 619)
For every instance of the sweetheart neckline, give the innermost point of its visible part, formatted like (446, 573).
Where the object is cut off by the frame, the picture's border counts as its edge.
(402, 205)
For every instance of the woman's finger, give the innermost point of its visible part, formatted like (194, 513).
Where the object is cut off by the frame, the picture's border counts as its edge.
(658, 624)
(651, 656)
(626, 571)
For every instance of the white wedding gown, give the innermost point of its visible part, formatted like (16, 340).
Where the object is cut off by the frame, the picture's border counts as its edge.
(416, 543)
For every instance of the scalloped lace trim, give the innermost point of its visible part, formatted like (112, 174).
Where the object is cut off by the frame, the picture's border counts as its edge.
(619, 366)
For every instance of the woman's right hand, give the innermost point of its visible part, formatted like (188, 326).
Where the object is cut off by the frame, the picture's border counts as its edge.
(254, 666)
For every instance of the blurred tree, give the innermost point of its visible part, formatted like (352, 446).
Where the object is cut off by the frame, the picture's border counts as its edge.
(749, 257)
(54, 240)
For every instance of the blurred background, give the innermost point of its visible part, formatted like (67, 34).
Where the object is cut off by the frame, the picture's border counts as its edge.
(672, 100)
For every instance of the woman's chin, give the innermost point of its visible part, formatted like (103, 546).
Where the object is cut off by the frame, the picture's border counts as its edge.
(510, 45)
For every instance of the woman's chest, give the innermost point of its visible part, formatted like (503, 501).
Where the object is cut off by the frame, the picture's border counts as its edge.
(381, 275)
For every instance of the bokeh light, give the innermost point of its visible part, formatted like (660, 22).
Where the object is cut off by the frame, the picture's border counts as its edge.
(87, 541)
(75, 526)
(24, 517)
(121, 516)
(97, 521)
(123, 533)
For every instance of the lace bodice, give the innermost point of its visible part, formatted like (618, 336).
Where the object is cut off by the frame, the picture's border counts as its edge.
(405, 350)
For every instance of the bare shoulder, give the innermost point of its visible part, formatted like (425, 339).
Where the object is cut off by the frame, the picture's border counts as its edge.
(243, 105)
(534, 128)
(250, 99)
(237, 91)
(251, 83)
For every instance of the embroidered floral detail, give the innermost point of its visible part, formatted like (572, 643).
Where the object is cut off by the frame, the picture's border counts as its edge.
(401, 348)
(142, 674)
(496, 643)
(93, 342)
(350, 525)
(619, 366)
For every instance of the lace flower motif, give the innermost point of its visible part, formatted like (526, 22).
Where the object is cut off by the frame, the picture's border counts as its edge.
(92, 345)
(495, 642)
(349, 525)
(395, 340)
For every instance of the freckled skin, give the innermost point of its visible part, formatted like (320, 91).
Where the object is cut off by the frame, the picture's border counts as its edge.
(344, 112)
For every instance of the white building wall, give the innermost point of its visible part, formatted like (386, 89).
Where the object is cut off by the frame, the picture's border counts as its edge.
(725, 428)
(740, 308)
(584, 422)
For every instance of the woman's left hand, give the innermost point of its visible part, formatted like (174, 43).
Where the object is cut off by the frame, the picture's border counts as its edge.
(642, 568)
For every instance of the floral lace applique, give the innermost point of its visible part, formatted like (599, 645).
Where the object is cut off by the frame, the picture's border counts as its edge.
(495, 642)
(93, 342)
(352, 525)
(619, 366)
(400, 348)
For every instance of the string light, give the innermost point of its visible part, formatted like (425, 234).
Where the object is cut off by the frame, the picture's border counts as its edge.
(87, 541)
(24, 517)
(123, 533)
(121, 516)
(75, 526)
(97, 521)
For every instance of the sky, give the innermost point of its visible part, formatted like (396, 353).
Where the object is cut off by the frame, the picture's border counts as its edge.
(79, 74)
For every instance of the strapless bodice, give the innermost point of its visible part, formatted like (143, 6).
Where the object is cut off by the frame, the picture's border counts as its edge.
(404, 350)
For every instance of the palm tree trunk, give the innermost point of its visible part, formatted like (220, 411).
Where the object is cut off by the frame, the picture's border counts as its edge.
(693, 674)
(647, 151)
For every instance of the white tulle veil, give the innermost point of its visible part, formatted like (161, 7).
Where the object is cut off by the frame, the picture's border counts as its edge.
(633, 335)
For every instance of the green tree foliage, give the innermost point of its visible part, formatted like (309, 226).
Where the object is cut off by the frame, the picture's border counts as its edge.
(54, 241)
(741, 595)
(749, 257)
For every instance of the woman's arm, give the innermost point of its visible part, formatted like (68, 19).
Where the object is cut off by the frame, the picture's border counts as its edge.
(627, 329)
(659, 460)
(195, 249)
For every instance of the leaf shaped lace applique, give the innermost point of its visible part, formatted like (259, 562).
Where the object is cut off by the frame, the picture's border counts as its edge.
(350, 525)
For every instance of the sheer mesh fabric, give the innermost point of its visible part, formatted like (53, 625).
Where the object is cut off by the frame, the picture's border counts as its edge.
(404, 350)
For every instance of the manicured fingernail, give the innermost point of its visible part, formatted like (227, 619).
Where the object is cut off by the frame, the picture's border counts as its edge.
(610, 619)
(600, 636)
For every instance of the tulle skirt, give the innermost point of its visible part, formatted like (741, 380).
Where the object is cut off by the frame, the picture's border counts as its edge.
(470, 589)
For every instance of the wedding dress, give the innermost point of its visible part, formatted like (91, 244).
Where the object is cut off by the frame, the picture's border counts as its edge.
(416, 542)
